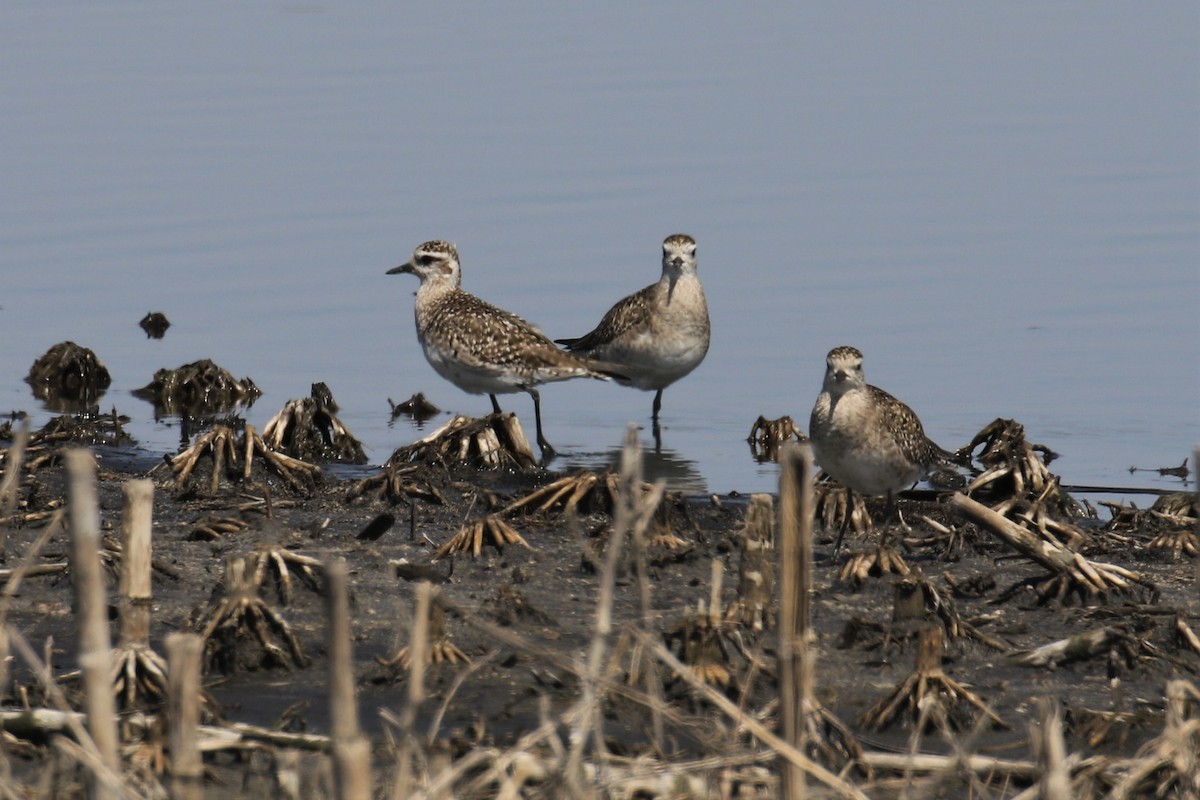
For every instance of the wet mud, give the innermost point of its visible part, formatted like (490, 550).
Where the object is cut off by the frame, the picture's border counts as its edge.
(516, 556)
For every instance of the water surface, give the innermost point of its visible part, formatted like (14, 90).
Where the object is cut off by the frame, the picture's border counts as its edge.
(999, 205)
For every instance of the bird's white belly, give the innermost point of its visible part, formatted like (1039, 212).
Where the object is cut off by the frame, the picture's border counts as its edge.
(869, 473)
(475, 380)
(653, 364)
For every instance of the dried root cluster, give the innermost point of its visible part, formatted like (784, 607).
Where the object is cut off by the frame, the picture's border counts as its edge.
(491, 442)
(1171, 521)
(201, 389)
(399, 481)
(1027, 509)
(768, 435)
(241, 631)
(68, 378)
(233, 459)
(42, 448)
(492, 530)
(414, 471)
(1016, 472)
(309, 429)
(431, 644)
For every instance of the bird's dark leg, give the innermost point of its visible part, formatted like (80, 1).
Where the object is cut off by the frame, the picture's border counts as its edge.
(895, 509)
(654, 426)
(495, 404)
(891, 511)
(837, 544)
(547, 450)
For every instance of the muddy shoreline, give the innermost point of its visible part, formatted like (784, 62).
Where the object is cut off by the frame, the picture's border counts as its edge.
(545, 598)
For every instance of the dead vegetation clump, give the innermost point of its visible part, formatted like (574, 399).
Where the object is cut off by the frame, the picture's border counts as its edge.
(755, 605)
(309, 429)
(1016, 472)
(1166, 766)
(1068, 574)
(401, 481)
(873, 562)
(492, 442)
(430, 641)
(838, 508)
(1170, 523)
(698, 642)
(271, 565)
(418, 407)
(470, 539)
(241, 631)
(201, 388)
(234, 459)
(68, 378)
(768, 435)
(1028, 510)
(420, 470)
(43, 447)
(928, 698)
(585, 492)
(155, 324)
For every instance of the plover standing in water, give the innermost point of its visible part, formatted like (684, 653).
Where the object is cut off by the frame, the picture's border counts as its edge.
(658, 335)
(479, 348)
(864, 438)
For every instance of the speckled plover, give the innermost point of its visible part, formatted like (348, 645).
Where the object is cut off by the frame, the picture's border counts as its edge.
(660, 334)
(864, 438)
(479, 348)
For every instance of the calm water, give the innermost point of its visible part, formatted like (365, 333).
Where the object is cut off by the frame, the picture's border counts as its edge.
(999, 205)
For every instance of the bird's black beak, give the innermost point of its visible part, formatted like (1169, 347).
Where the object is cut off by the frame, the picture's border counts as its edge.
(406, 267)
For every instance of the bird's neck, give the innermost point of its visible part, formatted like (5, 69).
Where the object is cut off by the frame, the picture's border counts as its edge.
(432, 290)
(680, 288)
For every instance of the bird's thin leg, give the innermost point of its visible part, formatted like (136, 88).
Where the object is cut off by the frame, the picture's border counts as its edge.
(495, 404)
(657, 432)
(837, 544)
(547, 450)
(656, 407)
(891, 511)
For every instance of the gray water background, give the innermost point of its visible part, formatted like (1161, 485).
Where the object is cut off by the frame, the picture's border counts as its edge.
(999, 204)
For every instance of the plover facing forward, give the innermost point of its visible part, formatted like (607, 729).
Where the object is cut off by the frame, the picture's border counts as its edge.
(864, 438)
(658, 335)
(479, 348)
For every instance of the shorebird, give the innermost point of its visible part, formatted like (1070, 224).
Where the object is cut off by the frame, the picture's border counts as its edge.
(658, 335)
(479, 348)
(864, 438)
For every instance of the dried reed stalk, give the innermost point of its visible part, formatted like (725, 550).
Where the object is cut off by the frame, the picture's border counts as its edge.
(1050, 750)
(136, 549)
(632, 515)
(184, 699)
(403, 780)
(646, 667)
(796, 653)
(743, 719)
(95, 656)
(12, 480)
(351, 750)
(756, 566)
